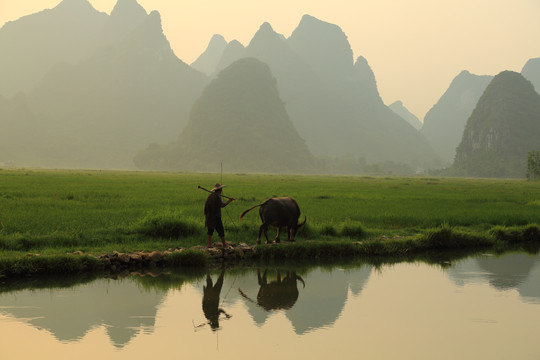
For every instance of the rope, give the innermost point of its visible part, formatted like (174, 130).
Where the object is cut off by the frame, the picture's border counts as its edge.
(227, 211)
(230, 218)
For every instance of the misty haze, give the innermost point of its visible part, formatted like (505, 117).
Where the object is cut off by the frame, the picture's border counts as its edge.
(264, 180)
(83, 89)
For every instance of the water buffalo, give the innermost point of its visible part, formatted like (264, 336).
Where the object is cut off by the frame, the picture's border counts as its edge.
(278, 212)
(280, 294)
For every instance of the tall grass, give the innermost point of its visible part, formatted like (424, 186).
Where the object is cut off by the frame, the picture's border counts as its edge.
(97, 211)
(516, 234)
(167, 224)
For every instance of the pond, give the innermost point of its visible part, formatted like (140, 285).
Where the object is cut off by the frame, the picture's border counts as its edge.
(481, 307)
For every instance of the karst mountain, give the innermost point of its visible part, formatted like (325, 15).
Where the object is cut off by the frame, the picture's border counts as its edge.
(125, 90)
(33, 44)
(240, 121)
(405, 114)
(113, 86)
(445, 121)
(531, 72)
(83, 89)
(332, 100)
(503, 128)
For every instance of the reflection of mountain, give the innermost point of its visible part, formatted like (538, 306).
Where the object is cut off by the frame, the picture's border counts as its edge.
(325, 295)
(507, 272)
(71, 313)
(513, 271)
(319, 304)
(358, 278)
(530, 288)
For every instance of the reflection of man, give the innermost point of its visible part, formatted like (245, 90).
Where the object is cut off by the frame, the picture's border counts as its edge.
(210, 303)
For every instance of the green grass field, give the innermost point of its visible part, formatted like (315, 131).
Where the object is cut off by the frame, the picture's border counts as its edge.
(54, 212)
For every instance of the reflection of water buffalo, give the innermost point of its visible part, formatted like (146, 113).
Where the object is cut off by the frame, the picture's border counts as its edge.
(278, 212)
(279, 294)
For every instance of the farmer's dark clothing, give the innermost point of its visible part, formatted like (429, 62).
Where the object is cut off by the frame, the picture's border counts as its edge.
(219, 228)
(212, 213)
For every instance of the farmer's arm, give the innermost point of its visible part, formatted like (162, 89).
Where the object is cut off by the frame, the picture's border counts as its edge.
(227, 203)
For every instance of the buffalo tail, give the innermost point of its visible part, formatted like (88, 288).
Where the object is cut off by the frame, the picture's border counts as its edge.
(248, 210)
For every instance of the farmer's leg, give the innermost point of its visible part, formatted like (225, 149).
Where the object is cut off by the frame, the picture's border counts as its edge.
(221, 231)
(210, 232)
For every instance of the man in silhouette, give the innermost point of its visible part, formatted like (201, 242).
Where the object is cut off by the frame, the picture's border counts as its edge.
(210, 303)
(212, 213)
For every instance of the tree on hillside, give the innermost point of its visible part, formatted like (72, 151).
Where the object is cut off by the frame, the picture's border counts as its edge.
(533, 165)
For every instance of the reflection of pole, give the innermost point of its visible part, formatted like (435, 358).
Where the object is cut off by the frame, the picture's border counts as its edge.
(221, 276)
(228, 291)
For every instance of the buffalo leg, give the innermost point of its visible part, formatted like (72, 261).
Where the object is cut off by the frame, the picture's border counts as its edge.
(277, 235)
(263, 228)
(291, 236)
(266, 235)
(261, 280)
(260, 232)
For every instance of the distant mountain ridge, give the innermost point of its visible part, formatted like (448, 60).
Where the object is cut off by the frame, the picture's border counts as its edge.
(127, 90)
(33, 44)
(444, 123)
(101, 110)
(324, 46)
(238, 119)
(531, 71)
(126, 16)
(405, 114)
(209, 59)
(332, 100)
(503, 128)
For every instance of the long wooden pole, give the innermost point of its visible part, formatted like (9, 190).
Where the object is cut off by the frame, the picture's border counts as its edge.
(213, 192)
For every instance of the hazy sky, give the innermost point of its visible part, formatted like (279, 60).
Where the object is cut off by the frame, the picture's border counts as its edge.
(415, 47)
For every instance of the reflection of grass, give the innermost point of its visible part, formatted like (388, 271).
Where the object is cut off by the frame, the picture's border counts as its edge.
(54, 212)
(21, 264)
(169, 280)
(53, 281)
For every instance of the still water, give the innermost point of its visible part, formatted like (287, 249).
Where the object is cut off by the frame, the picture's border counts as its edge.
(482, 307)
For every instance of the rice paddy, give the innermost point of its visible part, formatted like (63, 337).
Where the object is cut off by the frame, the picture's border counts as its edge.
(54, 212)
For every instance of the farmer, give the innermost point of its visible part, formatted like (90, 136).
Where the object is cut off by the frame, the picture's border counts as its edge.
(212, 212)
